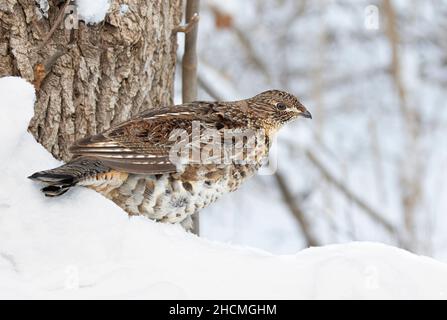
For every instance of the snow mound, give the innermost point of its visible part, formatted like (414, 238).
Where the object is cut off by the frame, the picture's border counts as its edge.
(16, 106)
(92, 11)
(83, 246)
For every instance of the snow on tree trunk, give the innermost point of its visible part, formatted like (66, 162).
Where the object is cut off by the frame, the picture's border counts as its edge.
(104, 73)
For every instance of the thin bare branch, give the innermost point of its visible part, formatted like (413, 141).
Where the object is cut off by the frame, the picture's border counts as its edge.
(208, 89)
(189, 63)
(246, 43)
(189, 68)
(56, 24)
(395, 68)
(296, 210)
(411, 168)
(186, 28)
(372, 213)
(251, 52)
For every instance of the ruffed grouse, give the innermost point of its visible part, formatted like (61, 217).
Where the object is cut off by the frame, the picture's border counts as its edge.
(169, 163)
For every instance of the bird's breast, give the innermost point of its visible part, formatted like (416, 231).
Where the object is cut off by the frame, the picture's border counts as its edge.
(171, 197)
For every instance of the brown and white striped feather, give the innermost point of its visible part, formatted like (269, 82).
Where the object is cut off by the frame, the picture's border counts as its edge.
(141, 145)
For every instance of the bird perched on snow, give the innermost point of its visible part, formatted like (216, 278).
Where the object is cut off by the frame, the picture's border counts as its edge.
(169, 163)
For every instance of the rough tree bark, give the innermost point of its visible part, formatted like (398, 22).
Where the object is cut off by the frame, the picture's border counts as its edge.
(97, 75)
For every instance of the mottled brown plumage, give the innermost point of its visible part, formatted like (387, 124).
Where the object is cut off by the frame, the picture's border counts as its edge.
(133, 164)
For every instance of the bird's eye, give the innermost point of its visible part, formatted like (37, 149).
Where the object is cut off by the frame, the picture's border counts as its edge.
(281, 106)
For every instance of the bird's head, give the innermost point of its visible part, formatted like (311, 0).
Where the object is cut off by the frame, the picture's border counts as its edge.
(274, 108)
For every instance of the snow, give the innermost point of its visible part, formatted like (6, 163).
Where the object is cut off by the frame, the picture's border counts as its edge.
(124, 8)
(11, 88)
(83, 246)
(92, 11)
(43, 8)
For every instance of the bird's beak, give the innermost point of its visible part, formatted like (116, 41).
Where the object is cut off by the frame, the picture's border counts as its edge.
(305, 114)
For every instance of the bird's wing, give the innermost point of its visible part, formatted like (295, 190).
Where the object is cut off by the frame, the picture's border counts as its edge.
(143, 144)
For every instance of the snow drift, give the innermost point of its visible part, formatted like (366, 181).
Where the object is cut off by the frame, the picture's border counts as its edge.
(92, 11)
(83, 246)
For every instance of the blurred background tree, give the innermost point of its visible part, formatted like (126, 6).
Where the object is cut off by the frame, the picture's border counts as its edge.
(371, 165)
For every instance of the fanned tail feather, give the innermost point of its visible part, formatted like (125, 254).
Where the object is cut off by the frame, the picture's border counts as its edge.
(61, 179)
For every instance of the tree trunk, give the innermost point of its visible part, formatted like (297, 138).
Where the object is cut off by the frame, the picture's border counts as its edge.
(96, 75)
